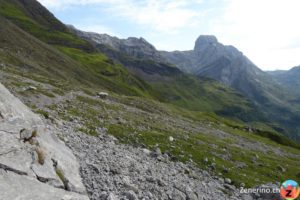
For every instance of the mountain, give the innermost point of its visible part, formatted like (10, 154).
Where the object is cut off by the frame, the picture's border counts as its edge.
(139, 56)
(157, 127)
(290, 78)
(47, 48)
(209, 59)
(44, 48)
(226, 64)
(172, 85)
(135, 47)
(31, 48)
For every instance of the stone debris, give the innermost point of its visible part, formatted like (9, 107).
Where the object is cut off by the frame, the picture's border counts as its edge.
(111, 170)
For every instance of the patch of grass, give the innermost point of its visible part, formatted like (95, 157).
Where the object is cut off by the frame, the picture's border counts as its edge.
(46, 93)
(89, 131)
(112, 77)
(54, 33)
(280, 139)
(43, 113)
(34, 133)
(41, 155)
(60, 174)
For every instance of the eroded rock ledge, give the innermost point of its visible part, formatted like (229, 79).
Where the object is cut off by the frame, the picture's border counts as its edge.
(34, 163)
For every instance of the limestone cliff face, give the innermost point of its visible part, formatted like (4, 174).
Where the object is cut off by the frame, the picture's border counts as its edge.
(34, 163)
(136, 54)
(224, 63)
(212, 59)
(136, 47)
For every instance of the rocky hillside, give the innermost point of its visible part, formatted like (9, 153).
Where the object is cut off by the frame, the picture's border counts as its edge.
(169, 83)
(227, 65)
(139, 128)
(34, 163)
(288, 78)
(209, 59)
(135, 47)
(130, 167)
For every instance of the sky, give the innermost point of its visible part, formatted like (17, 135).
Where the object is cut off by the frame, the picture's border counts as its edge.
(266, 31)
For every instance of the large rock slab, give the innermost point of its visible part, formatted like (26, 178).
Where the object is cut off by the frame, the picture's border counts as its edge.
(14, 186)
(35, 167)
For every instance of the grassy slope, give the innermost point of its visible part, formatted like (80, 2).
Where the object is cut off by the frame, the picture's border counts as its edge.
(74, 62)
(35, 19)
(184, 90)
(95, 69)
(79, 64)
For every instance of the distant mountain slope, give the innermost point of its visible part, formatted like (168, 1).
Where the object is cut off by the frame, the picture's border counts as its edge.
(290, 78)
(171, 84)
(138, 48)
(227, 65)
(137, 55)
(209, 59)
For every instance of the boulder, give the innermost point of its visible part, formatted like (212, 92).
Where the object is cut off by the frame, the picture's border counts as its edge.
(228, 180)
(102, 95)
(30, 88)
(171, 139)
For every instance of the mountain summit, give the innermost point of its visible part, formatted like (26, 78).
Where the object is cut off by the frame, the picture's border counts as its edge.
(204, 40)
(220, 62)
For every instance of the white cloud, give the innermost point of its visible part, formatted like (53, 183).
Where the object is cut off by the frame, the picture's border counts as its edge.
(159, 15)
(61, 4)
(97, 29)
(165, 16)
(266, 30)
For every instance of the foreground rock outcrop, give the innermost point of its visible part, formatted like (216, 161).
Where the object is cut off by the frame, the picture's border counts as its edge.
(34, 163)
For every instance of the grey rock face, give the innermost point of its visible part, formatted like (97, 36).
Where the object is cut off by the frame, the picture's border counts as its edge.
(226, 64)
(27, 150)
(212, 59)
(205, 40)
(14, 186)
(135, 47)
(289, 78)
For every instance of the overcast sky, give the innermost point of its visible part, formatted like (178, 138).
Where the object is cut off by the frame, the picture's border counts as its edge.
(266, 31)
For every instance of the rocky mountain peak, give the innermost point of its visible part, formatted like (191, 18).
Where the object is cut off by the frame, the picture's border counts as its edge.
(136, 47)
(138, 42)
(204, 40)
